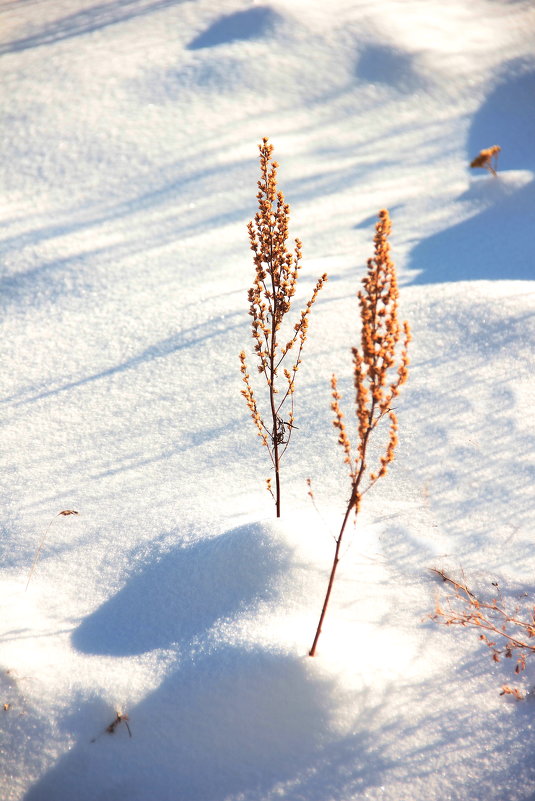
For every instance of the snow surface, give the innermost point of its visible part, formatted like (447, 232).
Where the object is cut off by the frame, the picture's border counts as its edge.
(129, 132)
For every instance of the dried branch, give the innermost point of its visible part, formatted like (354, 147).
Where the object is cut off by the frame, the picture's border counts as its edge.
(64, 513)
(511, 632)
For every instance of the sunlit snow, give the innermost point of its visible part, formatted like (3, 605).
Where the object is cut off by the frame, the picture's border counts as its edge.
(129, 134)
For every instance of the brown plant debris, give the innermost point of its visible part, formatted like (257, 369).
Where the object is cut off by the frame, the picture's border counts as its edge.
(487, 158)
(508, 633)
(120, 717)
(506, 690)
(63, 513)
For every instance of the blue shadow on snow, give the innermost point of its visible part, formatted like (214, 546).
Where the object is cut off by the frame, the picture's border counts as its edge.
(507, 118)
(179, 595)
(87, 21)
(222, 724)
(494, 244)
(384, 65)
(242, 25)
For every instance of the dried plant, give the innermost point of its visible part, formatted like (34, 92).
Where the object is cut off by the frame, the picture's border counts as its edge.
(487, 158)
(120, 717)
(270, 300)
(64, 513)
(508, 633)
(379, 370)
(514, 691)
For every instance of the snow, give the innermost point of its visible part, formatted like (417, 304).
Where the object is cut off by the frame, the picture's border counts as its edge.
(130, 132)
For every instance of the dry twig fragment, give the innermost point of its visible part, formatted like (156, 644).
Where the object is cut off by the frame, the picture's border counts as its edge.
(120, 717)
(512, 633)
(64, 513)
(487, 158)
(506, 690)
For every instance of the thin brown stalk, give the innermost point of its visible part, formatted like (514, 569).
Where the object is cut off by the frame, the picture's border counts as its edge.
(37, 554)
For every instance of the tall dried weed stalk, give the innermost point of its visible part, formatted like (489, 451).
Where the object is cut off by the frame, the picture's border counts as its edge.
(380, 367)
(63, 513)
(278, 352)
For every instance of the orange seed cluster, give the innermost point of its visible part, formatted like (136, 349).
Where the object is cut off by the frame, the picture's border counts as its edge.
(378, 370)
(270, 299)
(488, 158)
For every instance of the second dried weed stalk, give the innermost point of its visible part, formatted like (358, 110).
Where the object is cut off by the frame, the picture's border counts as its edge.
(379, 370)
(278, 351)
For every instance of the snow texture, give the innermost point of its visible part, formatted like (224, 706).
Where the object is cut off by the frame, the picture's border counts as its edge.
(129, 135)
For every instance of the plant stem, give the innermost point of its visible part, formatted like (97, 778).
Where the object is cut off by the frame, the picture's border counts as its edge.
(272, 373)
(276, 457)
(353, 501)
(336, 560)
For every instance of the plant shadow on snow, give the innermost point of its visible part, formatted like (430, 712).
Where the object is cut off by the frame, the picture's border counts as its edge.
(225, 722)
(180, 595)
(252, 23)
(495, 243)
(467, 478)
(239, 724)
(95, 18)
(156, 201)
(185, 338)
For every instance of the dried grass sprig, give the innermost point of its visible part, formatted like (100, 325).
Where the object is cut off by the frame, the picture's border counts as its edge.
(63, 513)
(379, 370)
(487, 158)
(270, 299)
(507, 632)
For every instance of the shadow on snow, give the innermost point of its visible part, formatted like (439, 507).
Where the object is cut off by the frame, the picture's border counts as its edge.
(94, 18)
(181, 594)
(495, 244)
(252, 23)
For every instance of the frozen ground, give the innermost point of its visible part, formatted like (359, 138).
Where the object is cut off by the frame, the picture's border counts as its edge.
(129, 136)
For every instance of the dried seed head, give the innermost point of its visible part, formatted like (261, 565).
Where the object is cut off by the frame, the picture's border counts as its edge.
(379, 368)
(270, 300)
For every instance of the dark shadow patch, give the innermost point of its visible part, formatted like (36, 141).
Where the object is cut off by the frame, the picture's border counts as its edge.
(222, 725)
(493, 245)
(496, 243)
(181, 594)
(242, 25)
(385, 65)
(507, 119)
(241, 723)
